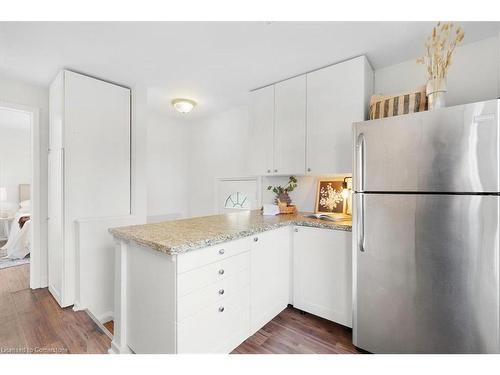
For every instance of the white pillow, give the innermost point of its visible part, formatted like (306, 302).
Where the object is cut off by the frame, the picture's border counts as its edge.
(25, 204)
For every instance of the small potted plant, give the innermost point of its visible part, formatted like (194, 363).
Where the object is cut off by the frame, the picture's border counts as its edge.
(283, 199)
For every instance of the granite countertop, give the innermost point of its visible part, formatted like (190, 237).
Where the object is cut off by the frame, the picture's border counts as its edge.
(179, 236)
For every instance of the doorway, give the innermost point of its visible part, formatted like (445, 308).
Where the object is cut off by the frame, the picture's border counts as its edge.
(20, 191)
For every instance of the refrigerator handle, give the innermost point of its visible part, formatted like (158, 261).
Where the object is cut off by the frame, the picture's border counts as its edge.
(361, 222)
(360, 163)
(360, 182)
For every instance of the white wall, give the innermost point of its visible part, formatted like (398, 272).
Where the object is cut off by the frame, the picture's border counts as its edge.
(15, 155)
(474, 75)
(167, 167)
(217, 149)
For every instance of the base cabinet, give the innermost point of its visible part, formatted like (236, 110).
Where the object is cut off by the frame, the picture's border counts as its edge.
(212, 299)
(322, 273)
(270, 276)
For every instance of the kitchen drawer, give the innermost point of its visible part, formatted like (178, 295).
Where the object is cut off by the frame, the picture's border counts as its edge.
(213, 330)
(216, 292)
(198, 278)
(198, 258)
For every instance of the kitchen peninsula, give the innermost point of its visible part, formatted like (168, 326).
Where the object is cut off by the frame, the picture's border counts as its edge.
(206, 284)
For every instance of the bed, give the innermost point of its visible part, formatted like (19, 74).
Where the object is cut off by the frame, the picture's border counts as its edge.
(18, 245)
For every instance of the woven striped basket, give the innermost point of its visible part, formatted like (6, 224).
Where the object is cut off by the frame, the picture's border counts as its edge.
(394, 105)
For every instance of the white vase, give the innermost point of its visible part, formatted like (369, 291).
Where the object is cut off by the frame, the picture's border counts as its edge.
(436, 92)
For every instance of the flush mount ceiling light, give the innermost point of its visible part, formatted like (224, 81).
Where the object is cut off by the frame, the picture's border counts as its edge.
(183, 105)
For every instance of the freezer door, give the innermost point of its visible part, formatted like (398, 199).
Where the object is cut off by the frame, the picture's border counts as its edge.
(447, 150)
(426, 279)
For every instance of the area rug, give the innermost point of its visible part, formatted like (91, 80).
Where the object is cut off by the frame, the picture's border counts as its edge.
(6, 263)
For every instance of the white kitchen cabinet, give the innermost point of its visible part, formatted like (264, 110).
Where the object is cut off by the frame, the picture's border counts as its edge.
(290, 126)
(261, 132)
(270, 276)
(202, 301)
(89, 167)
(337, 96)
(303, 125)
(322, 273)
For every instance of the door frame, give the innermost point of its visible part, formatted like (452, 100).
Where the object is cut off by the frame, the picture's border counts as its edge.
(38, 255)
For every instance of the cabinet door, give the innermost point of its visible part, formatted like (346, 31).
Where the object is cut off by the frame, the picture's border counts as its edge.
(335, 99)
(322, 273)
(55, 223)
(290, 126)
(270, 276)
(56, 112)
(97, 131)
(261, 132)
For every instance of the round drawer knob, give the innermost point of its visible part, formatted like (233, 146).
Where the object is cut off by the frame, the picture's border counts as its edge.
(221, 272)
(221, 292)
(268, 171)
(275, 170)
(221, 309)
(256, 239)
(221, 251)
(309, 169)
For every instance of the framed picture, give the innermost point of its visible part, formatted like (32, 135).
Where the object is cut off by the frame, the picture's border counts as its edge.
(329, 199)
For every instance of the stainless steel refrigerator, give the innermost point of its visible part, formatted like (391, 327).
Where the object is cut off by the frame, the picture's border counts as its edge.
(426, 232)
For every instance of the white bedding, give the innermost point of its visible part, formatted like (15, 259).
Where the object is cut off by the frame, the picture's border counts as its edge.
(19, 243)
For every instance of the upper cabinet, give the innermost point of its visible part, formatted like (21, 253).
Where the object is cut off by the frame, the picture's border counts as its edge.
(261, 132)
(303, 125)
(337, 96)
(290, 126)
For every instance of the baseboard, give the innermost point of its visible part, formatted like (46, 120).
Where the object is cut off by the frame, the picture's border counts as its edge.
(56, 295)
(100, 325)
(115, 349)
(77, 306)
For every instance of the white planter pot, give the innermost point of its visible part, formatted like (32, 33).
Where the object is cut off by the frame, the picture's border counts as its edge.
(436, 92)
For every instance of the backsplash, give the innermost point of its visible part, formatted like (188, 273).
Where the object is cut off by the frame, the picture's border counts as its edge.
(304, 196)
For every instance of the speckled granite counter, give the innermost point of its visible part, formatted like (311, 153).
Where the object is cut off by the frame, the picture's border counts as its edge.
(179, 236)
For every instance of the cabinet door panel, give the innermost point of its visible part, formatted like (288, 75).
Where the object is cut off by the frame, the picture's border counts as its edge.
(56, 112)
(270, 276)
(335, 99)
(97, 132)
(290, 126)
(322, 273)
(55, 223)
(261, 132)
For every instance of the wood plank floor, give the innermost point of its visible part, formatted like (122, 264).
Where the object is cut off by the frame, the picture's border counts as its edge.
(294, 333)
(31, 321)
(110, 326)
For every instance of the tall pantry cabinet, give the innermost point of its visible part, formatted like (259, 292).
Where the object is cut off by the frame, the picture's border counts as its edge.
(89, 167)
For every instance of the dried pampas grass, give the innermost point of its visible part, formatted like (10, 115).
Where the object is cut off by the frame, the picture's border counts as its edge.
(440, 47)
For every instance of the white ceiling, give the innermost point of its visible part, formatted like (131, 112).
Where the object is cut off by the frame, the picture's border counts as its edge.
(214, 63)
(14, 120)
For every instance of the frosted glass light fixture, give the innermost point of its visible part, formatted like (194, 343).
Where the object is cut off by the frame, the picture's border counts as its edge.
(183, 105)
